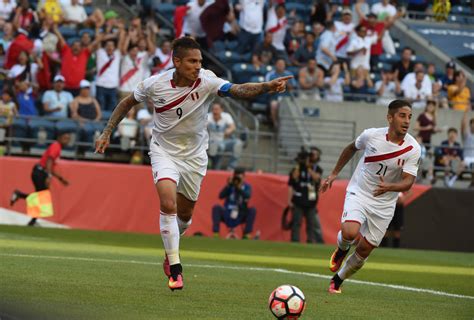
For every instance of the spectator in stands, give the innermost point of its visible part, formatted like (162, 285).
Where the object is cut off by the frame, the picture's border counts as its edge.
(251, 24)
(6, 9)
(280, 71)
(110, 29)
(50, 44)
(377, 29)
(127, 131)
(25, 16)
(459, 95)
(417, 94)
(410, 80)
(306, 51)
(344, 30)
(360, 10)
(425, 169)
(320, 12)
(266, 52)
(436, 86)
(441, 9)
(467, 133)
(222, 138)
(84, 107)
(326, 52)
(294, 38)
(213, 19)
(387, 88)
(386, 13)
(24, 70)
(361, 84)
(7, 38)
(334, 84)
(426, 123)
(50, 8)
(405, 65)
(310, 79)
(236, 210)
(448, 77)
(145, 118)
(26, 99)
(450, 156)
(192, 24)
(277, 24)
(162, 60)
(8, 109)
(360, 47)
(20, 43)
(56, 102)
(74, 14)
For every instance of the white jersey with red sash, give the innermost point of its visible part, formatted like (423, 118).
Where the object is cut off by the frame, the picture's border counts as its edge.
(180, 113)
(132, 71)
(108, 69)
(166, 61)
(382, 158)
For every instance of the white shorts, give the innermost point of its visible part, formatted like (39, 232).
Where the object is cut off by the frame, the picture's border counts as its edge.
(186, 173)
(372, 225)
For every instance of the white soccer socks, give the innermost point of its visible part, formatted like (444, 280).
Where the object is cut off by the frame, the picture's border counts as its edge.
(351, 266)
(342, 243)
(170, 234)
(183, 226)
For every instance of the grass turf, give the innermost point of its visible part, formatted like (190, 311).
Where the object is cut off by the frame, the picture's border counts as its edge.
(72, 274)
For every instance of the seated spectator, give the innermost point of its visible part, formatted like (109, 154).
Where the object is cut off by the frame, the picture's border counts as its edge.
(74, 14)
(417, 94)
(235, 211)
(459, 95)
(251, 24)
(84, 107)
(359, 49)
(326, 52)
(306, 51)
(405, 65)
(26, 99)
(450, 156)
(145, 118)
(56, 102)
(361, 84)
(426, 123)
(334, 84)
(448, 77)
(221, 128)
(24, 70)
(387, 88)
(127, 131)
(277, 24)
(467, 133)
(265, 51)
(280, 71)
(436, 84)
(51, 8)
(8, 109)
(310, 79)
(6, 9)
(410, 80)
(294, 38)
(441, 9)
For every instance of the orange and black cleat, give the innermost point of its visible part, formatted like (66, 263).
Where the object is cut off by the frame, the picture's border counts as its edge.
(176, 283)
(336, 259)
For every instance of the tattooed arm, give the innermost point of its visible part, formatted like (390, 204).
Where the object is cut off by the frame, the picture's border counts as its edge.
(119, 113)
(251, 90)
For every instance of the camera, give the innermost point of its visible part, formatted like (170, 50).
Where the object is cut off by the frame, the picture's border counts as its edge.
(303, 157)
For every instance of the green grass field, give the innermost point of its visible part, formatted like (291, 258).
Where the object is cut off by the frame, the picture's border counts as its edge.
(71, 274)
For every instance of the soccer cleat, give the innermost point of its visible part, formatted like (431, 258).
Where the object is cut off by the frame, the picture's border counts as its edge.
(333, 289)
(336, 259)
(13, 198)
(166, 266)
(176, 283)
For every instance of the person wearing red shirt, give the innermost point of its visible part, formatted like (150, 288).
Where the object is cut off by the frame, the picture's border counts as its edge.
(374, 27)
(74, 61)
(44, 170)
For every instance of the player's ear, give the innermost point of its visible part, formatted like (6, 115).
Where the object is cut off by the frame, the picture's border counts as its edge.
(389, 118)
(176, 61)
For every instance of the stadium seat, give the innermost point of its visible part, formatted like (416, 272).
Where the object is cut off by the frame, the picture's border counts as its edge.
(67, 32)
(19, 131)
(42, 131)
(242, 72)
(165, 9)
(90, 130)
(228, 57)
(389, 58)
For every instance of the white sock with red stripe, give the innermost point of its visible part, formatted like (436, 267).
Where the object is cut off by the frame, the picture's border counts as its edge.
(183, 226)
(170, 234)
(342, 243)
(351, 266)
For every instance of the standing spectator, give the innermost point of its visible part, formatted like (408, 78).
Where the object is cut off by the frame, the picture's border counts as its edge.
(25, 17)
(344, 30)
(56, 102)
(6, 9)
(192, 25)
(277, 24)
(459, 95)
(310, 79)
(280, 71)
(387, 88)
(251, 24)
(108, 75)
(305, 52)
(467, 133)
(235, 211)
(20, 43)
(417, 94)
(450, 156)
(334, 84)
(360, 10)
(74, 14)
(326, 52)
(314, 159)
(24, 70)
(6, 38)
(213, 19)
(8, 109)
(265, 52)
(294, 38)
(426, 123)
(162, 60)
(377, 29)
(320, 12)
(303, 196)
(359, 49)
(405, 65)
(386, 13)
(26, 99)
(222, 128)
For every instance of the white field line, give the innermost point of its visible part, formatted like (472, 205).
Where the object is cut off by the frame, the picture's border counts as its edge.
(285, 271)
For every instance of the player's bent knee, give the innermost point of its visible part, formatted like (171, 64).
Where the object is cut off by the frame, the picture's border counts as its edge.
(168, 206)
(350, 232)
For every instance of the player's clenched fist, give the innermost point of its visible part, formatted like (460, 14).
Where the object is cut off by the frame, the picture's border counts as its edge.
(102, 142)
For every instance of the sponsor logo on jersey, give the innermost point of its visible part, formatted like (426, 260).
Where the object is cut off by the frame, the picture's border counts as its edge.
(161, 100)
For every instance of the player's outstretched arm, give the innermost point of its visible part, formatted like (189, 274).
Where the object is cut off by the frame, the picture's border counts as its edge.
(344, 158)
(119, 113)
(252, 89)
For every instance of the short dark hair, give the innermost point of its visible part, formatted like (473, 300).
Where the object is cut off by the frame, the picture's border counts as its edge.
(329, 24)
(239, 170)
(182, 44)
(453, 130)
(407, 48)
(132, 46)
(397, 104)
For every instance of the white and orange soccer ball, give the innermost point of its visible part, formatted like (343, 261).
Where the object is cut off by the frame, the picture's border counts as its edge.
(287, 302)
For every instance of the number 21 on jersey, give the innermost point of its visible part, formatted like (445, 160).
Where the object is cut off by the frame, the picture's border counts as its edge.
(382, 170)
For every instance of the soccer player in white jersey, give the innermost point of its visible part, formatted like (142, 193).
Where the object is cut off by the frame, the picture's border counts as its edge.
(181, 98)
(389, 165)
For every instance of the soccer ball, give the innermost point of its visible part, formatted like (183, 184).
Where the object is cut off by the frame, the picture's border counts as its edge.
(287, 302)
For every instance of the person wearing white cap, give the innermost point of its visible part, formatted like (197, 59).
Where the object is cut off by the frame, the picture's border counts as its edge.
(56, 102)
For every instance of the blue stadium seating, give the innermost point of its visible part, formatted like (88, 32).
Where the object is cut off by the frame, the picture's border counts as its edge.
(166, 9)
(19, 129)
(38, 127)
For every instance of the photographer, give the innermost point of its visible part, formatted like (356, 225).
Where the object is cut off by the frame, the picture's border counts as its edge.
(303, 195)
(235, 210)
